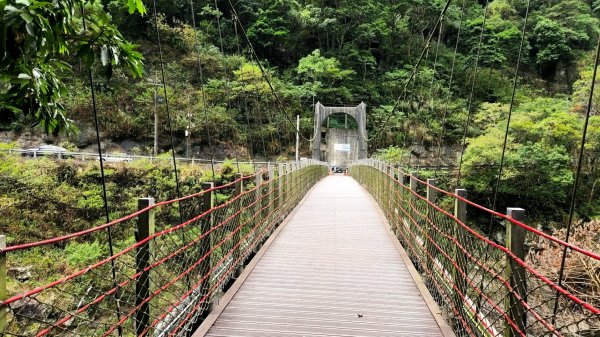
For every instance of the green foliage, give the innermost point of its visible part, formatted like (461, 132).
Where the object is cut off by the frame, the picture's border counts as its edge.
(38, 36)
(230, 167)
(249, 79)
(179, 35)
(581, 87)
(392, 154)
(490, 114)
(336, 52)
(324, 73)
(576, 18)
(537, 170)
(43, 198)
(551, 43)
(82, 254)
(501, 38)
(274, 29)
(318, 67)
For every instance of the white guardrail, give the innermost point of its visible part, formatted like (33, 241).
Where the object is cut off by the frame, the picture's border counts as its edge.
(108, 157)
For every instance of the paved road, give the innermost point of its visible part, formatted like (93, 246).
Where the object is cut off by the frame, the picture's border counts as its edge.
(332, 271)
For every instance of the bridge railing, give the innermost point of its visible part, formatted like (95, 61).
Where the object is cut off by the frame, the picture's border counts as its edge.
(170, 263)
(485, 288)
(119, 157)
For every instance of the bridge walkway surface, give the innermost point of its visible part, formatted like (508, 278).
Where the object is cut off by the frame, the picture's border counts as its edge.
(332, 269)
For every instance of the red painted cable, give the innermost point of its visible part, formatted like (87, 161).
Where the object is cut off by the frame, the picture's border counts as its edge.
(506, 250)
(476, 261)
(124, 251)
(506, 217)
(114, 222)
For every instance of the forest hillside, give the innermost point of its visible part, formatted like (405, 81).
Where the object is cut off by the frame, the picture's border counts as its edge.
(221, 105)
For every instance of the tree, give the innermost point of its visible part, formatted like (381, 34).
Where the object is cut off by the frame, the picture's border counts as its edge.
(537, 168)
(249, 79)
(535, 175)
(322, 69)
(39, 37)
(581, 87)
(325, 73)
(577, 18)
(501, 37)
(392, 154)
(550, 44)
(276, 30)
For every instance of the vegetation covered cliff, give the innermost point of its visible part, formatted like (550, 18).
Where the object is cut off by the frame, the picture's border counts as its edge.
(337, 52)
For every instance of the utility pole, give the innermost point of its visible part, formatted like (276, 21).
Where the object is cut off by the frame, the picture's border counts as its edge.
(187, 141)
(297, 137)
(155, 148)
(188, 133)
(153, 82)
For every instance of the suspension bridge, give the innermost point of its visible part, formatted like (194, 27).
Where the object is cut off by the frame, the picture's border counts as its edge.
(296, 251)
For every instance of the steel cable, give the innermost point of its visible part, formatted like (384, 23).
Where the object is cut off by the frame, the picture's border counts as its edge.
(450, 82)
(204, 101)
(471, 93)
(466, 272)
(266, 77)
(102, 175)
(577, 176)
(167, 108)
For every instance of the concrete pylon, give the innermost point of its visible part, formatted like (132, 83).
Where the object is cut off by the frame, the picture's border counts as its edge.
(359, 113)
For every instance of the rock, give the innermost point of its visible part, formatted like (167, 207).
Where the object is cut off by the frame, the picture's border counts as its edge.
(573, 328)
(580, 329)
(20, 274)
(583, 326)
(29, 308)
(418, 150)
(85, 137)
(129, 144)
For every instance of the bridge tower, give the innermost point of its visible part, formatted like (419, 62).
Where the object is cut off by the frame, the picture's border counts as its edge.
(346, 146)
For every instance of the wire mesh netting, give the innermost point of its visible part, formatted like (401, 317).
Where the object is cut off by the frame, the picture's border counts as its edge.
(172, 260)
(485, 288)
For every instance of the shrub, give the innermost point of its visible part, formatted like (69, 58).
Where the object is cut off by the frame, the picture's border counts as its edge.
(83, 254)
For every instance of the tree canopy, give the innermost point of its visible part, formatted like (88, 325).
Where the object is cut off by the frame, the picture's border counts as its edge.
(337, 52)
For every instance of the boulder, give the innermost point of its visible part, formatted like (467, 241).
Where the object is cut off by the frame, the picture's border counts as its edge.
(29, 308)
(20, 274)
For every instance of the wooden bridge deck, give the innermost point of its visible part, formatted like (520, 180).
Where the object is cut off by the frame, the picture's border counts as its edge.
(332, 270)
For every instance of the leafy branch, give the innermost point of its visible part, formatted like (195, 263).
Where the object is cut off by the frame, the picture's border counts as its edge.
(38, 36)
